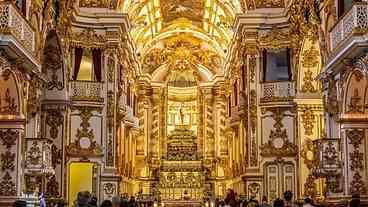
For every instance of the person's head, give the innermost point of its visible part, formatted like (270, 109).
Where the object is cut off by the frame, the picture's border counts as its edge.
(355, 201)
(278, 203)
(106, 203)
(308, 201)
(116, 201)
(288, 196)
(132, 198)
(20, 203)
(83, 198)
(93, 201)
(264, 199)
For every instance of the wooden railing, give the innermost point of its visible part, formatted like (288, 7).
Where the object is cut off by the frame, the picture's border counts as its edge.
(86, 91)
(12, 22)
(277, 91)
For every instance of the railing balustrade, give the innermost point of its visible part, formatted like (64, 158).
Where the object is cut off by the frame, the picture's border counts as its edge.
(86, 91)
(356, 20)
(277, 91)
(12, 22)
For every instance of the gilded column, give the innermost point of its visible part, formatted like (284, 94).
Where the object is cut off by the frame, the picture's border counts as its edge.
(208, 117)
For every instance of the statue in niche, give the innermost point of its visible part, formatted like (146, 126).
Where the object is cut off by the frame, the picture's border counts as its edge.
(181, 114)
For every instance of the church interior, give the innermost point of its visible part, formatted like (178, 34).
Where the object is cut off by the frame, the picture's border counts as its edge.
(177, 101)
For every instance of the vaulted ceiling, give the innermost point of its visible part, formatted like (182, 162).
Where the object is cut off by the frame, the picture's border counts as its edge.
(186, 34)
(154, 20)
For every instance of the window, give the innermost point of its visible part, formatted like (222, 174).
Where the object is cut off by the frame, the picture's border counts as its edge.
(229, 106)
(22, 6)
(344, 6)
(235, 92)
(128, 95)
(87, 65)
(276, 65)
(243, 77)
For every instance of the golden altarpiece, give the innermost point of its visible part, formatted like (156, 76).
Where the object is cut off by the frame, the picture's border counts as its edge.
(177, 101)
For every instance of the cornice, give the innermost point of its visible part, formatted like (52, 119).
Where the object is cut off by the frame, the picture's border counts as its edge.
(101, 19)
(260, 20)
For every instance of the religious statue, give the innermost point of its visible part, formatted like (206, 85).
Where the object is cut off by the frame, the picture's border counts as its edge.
(181, 114)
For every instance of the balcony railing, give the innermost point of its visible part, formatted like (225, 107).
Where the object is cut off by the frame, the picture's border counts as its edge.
(86, 91)
(277, 91)
(13, 23)
(355, 21)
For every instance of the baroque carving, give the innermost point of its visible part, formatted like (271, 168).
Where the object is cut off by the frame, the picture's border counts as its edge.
(34, 154)
(54, 119)
(109, 188)
(34, 99)
(310, 186)
(355, 105)
(7, 186)
(278, 144)
(57, 156)
(52, 187)
(33, 183)
(253, 110)
(9, 137)
(111, 4)
(270, 3)
(89, 148)
(307, 153)
(275, 38)
(7, 161)
(357, 185)
(308, 86)
(355, 137)
(252, 68)
(254, 189)
(53, 63)
(181, 54)
(88, 38)
(8, 103)
(308, 121)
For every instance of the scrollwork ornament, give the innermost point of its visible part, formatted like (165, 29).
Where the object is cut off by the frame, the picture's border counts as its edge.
(52, 188)
(7, 161)
(109, 188)
(7, 186)
(308, 86)
(355, 137)
(9, 137)
(34, 154)
(356, 160)
(357, 185)
(54, 119)
(308, 121)
(278, 144)
(310, 186)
